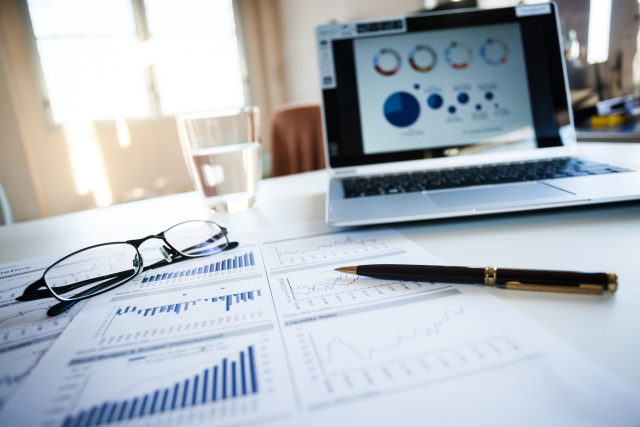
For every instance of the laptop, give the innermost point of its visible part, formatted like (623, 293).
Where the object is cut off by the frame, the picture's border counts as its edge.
(452, 114)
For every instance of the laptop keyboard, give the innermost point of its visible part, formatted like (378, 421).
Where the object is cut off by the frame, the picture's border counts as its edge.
(501, 173)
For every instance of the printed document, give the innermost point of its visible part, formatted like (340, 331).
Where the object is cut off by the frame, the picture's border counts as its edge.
(26, 331)
(269, 333)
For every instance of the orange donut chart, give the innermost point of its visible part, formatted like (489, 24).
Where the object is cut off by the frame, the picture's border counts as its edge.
(417, 53)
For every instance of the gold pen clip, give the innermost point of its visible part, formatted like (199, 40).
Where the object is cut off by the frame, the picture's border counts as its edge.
(582, 288)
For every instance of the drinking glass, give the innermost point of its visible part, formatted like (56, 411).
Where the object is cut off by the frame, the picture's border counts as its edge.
(222, 150)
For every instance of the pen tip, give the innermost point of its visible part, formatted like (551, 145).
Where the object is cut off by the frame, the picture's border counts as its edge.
(349, 269)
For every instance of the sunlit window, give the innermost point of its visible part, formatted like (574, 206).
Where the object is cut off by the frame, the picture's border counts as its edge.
(114, 59)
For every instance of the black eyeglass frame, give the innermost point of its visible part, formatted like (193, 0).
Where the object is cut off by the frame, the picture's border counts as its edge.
(35, 290)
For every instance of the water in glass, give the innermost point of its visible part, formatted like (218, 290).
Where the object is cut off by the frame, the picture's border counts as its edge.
(227, 175)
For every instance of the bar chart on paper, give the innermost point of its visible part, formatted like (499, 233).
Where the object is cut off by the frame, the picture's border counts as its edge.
(199, 352)
(227, 379)
(215, 302)
(224, 376)
(187, 298)
(182, 312)
(226, 265)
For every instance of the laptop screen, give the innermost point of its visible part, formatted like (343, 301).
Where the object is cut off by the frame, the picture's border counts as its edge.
(445, 84)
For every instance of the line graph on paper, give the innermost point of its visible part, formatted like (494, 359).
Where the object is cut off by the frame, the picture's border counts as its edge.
(306, 292)
(415, 368)
(23, 322)
(321, 288)
(338, 349)
(311, 252)
(330, 285)
(17, 365)
(26, 331)
(407, 346)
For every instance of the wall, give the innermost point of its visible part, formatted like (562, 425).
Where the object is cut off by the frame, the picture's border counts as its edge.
(14, 171)
(35, 158)
(299, 20)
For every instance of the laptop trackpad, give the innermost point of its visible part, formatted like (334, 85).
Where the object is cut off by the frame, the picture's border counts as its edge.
(505, 194)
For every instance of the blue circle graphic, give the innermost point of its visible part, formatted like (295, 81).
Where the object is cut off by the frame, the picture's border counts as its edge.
(452, 109)
(463, 98)
(478, 107)
(435, 101)
(488, 96)
(401, 109)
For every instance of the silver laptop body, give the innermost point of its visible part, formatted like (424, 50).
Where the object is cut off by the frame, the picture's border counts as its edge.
(406, 99)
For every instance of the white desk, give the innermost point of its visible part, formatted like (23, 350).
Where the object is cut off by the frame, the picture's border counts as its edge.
(599, 238)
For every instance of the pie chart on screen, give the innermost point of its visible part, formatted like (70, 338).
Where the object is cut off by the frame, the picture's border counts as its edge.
(401, 109)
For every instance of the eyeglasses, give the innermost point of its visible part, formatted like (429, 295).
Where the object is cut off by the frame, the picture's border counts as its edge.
(109, 265)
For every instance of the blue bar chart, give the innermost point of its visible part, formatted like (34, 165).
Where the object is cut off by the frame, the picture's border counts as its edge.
(227, 379)
(227, 301)
(225, 265)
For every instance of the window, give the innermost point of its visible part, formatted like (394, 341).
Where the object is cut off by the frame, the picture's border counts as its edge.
(110, 59)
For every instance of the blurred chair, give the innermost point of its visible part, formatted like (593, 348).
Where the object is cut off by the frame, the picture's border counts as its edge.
(5, 208)
(296, 140)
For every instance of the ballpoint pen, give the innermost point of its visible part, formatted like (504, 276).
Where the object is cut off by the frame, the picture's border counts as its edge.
(507, 278)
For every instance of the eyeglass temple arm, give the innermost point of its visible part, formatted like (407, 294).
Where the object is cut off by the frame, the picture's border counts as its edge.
(34, 291)
(62, 306)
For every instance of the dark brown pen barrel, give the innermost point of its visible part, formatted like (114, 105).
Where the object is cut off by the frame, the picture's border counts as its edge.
(423, 273)
(544, 277)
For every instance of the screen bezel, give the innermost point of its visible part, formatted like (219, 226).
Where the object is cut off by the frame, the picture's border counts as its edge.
(547, 86)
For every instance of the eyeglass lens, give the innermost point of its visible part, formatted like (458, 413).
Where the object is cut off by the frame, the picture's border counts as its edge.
(197, 238)
(107, 266)
(112, 264)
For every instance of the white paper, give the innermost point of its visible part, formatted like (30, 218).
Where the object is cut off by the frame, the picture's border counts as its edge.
(26, 331)
(280, 337)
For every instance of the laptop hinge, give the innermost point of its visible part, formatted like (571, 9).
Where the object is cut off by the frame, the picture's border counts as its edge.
(343, 172)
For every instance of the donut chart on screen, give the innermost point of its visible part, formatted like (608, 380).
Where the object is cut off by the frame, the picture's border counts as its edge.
(458, 55)
(423, 58)
(401, 109)
(425, 86)
(387, 62)
(494, 51)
